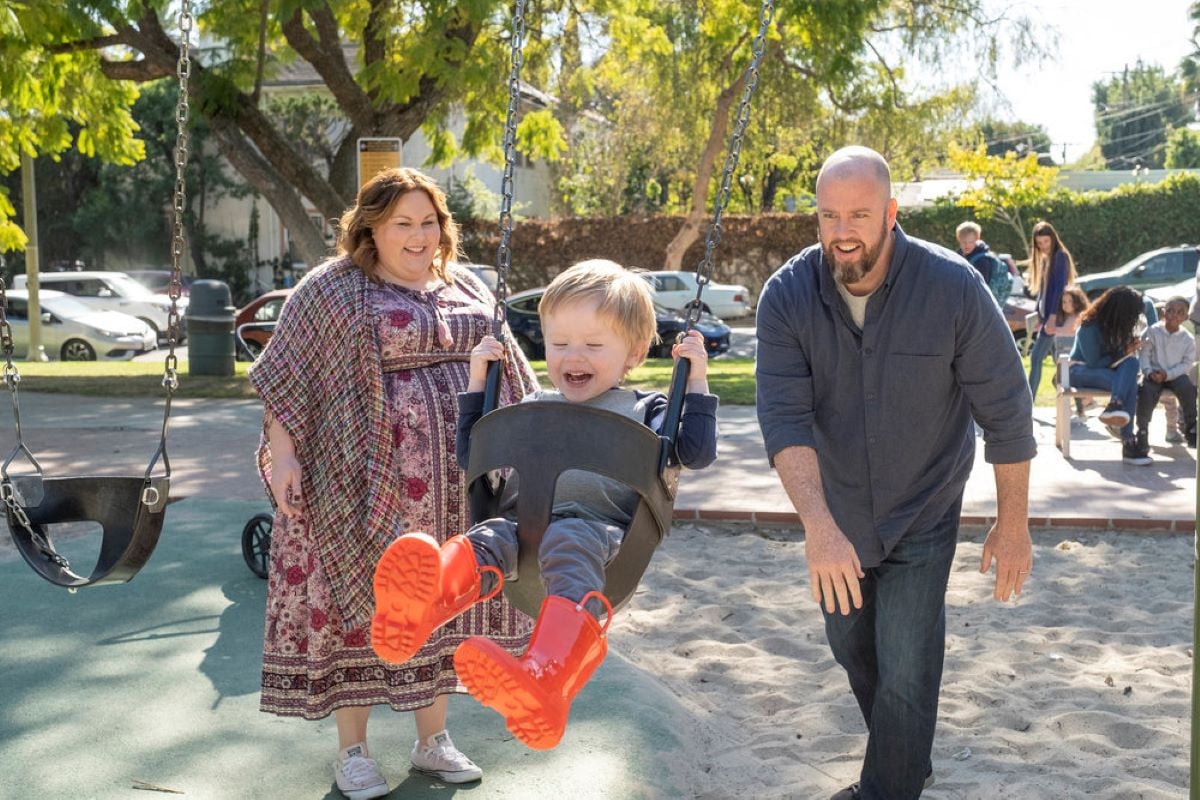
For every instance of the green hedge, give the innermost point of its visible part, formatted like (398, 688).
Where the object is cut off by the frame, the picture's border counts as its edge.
(1101, 229)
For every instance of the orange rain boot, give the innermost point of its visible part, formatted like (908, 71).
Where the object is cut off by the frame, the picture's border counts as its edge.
(419, 587)
(534, 693)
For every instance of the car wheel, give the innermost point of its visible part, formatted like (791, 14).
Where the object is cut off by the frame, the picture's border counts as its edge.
(77, 350)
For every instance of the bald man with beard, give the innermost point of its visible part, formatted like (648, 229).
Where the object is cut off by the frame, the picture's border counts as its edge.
(877, 356)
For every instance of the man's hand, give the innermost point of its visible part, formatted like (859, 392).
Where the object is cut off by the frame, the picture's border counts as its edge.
(1157, 375)
(833, 569)
(1012, 549)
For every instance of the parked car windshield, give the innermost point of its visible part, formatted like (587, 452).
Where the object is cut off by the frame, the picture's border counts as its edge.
(129, 288)
(65, 307)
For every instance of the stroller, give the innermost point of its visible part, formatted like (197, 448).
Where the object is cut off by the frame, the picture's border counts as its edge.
(256, 534)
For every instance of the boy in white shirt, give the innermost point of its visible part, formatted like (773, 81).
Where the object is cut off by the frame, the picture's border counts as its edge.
(1167, 354)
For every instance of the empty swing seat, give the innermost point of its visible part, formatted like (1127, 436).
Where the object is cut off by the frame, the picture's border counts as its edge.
(543, 440)
(129, 510)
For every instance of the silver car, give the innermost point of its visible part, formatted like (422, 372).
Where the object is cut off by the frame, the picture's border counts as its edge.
(73, 332)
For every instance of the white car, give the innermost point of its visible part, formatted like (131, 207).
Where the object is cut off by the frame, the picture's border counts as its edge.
(112, 291)
(73, 332)
(675, 290)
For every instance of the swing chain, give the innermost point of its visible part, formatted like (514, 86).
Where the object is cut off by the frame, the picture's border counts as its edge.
(23, 520)
(741, 119)
(11, 376)
(504, 249)
(183, 70)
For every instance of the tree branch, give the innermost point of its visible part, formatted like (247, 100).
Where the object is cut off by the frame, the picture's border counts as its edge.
(327, 59)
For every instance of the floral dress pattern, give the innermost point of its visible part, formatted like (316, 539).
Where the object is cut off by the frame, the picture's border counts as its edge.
(313, 664)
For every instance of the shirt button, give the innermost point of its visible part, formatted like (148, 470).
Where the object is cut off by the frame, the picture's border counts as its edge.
(867, 351)
(871, 440)
(870, 395)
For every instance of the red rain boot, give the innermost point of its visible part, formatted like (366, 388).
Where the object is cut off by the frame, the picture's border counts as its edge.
(534, 693)
(419, 587)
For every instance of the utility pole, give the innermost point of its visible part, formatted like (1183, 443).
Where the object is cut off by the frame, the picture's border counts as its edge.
(36, 351)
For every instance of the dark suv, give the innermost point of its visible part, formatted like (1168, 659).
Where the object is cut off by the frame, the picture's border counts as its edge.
(1161, 267)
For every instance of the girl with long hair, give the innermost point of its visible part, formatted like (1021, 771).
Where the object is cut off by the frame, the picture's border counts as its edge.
(1051, 271)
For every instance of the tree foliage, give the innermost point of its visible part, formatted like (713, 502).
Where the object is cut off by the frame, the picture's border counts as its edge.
(1002, 187)
(1134, 113)
(1001, 136)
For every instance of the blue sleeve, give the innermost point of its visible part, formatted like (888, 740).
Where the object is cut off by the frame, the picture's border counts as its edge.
(783, 375)
(993, 379)
(1056, 281)
(470, 409)
(1149, 311)
(1089, 346)
(696, 445)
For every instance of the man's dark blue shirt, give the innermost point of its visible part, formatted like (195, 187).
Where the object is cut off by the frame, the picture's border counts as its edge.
(888, 408)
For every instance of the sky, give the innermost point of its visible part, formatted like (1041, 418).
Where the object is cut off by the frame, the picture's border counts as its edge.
(1095, 38)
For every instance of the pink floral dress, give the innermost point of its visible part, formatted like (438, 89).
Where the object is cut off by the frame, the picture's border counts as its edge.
(312, 664)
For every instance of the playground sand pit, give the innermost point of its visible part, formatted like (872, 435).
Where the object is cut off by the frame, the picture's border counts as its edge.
(1079, 689)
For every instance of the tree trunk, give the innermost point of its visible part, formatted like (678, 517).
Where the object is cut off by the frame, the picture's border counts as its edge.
(690, 231)
(304, 236)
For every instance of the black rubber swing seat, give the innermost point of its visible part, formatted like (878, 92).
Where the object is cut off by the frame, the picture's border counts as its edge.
(129, 510)
(540, 441)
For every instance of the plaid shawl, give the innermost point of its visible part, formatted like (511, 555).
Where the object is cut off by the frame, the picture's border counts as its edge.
(321, 377)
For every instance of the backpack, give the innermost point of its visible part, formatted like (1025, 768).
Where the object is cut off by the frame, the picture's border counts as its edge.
(995, 274)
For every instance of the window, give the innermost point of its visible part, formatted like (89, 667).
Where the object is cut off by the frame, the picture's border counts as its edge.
(17, 309)
(269, 311)
(528, 305)
(1159, 266)
(670, 283)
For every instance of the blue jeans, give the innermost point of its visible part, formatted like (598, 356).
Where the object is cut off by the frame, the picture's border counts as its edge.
(892, 650)
(1122, 382)
(1043, 346)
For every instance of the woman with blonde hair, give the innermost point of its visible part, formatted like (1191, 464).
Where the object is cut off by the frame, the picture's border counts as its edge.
(359, 385)
(1050, 272)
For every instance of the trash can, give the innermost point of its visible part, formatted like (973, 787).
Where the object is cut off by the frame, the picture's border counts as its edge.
(209, 318)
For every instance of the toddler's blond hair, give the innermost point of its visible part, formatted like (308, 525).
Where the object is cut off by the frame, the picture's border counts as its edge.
(623, 297)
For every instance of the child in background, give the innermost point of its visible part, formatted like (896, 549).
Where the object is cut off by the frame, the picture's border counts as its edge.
(1063, 326)
(599, 322)
(1167, 355)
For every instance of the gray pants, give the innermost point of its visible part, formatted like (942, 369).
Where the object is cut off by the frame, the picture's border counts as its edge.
(571, 559)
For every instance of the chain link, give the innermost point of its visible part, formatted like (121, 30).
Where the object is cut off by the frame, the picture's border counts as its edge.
(741, 119)
(38, 540)
(504, 249)
(183, 71)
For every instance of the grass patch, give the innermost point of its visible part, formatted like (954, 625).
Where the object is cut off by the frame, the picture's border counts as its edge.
(128, 379)
(732, 379)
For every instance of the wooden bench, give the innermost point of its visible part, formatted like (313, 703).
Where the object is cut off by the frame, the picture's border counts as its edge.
(1067, 394)
(1065, 398)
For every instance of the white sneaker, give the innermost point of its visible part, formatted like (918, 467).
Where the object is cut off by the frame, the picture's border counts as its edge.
(1175, 437)
(357, 776)
(439, 757)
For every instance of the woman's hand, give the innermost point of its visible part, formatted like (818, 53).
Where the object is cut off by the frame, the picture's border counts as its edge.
(692, 348)
(487, 351)
(1051, 328)
(285, 484)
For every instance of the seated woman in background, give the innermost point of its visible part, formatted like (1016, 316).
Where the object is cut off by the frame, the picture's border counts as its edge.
(1105, 357)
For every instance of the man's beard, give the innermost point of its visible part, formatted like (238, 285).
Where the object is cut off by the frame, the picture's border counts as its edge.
(850, 272)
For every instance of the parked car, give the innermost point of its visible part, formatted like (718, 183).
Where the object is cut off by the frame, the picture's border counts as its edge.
(526, 327)
(73, 332)
(1189, 287)
(1161, 267)
(111, 291)
(157, 280)
(255, 322)
(489, 275)
(677, 289)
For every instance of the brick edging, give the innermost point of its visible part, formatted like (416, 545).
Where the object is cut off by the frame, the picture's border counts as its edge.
(1092, 523)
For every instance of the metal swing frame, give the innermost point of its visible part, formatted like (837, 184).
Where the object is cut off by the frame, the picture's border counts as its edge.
(129, 509)
(540, 441)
